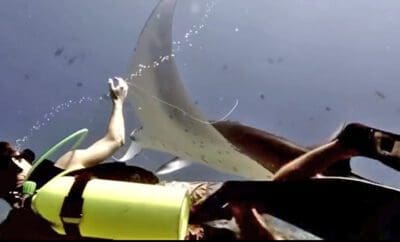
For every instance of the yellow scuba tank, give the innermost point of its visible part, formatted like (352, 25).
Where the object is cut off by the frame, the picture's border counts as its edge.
(108, 209)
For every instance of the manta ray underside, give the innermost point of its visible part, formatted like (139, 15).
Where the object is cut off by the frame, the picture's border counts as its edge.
(170, 121)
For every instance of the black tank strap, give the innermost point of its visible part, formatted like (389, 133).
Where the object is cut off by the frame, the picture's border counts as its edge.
(71, 211)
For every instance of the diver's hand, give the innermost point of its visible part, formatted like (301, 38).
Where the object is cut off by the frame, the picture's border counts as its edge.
(119, 90)
(250, 222)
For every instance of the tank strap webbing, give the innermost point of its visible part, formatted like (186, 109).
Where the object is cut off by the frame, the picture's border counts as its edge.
(71, 211)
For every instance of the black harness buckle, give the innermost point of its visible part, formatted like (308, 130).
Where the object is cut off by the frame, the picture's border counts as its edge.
(71, 211)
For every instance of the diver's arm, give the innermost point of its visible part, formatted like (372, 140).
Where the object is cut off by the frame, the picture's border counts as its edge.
(314, 161)
(112, 140)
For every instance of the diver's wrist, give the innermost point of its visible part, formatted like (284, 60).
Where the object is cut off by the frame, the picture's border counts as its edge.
(118, 103)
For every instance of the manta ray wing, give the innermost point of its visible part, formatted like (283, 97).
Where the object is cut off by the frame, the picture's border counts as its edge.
(171, 121)
(172, 165)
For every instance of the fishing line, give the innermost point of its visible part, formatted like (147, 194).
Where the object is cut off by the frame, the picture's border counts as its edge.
(184, 112)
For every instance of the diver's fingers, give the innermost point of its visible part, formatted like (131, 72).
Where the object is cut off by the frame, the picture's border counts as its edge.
(112, 88)
(250, 222)
(263, 230)
(121, 81)
(111, 84)
(261, 222)
(258, 218)
(125, 85)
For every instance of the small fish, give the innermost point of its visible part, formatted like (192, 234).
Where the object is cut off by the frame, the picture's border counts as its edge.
(72, 60)
(59, 51)
(380, 94)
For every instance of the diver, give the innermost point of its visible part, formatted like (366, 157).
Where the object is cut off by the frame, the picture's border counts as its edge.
(353, 140)
(15, 165)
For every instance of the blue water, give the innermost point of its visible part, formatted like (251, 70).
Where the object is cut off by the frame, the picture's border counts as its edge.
(298, 68)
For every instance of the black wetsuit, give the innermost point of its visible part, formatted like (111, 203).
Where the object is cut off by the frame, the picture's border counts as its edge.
(24, 224)
(44, 172)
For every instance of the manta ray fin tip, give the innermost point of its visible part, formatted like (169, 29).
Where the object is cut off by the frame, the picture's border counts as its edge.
(173, 165)
(133, 150)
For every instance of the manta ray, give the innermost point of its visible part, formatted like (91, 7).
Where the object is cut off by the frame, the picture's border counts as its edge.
(170, 121)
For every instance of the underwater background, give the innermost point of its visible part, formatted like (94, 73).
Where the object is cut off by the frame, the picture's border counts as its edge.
(299, 68)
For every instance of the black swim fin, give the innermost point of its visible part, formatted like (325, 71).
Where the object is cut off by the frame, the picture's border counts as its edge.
(372, 143)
